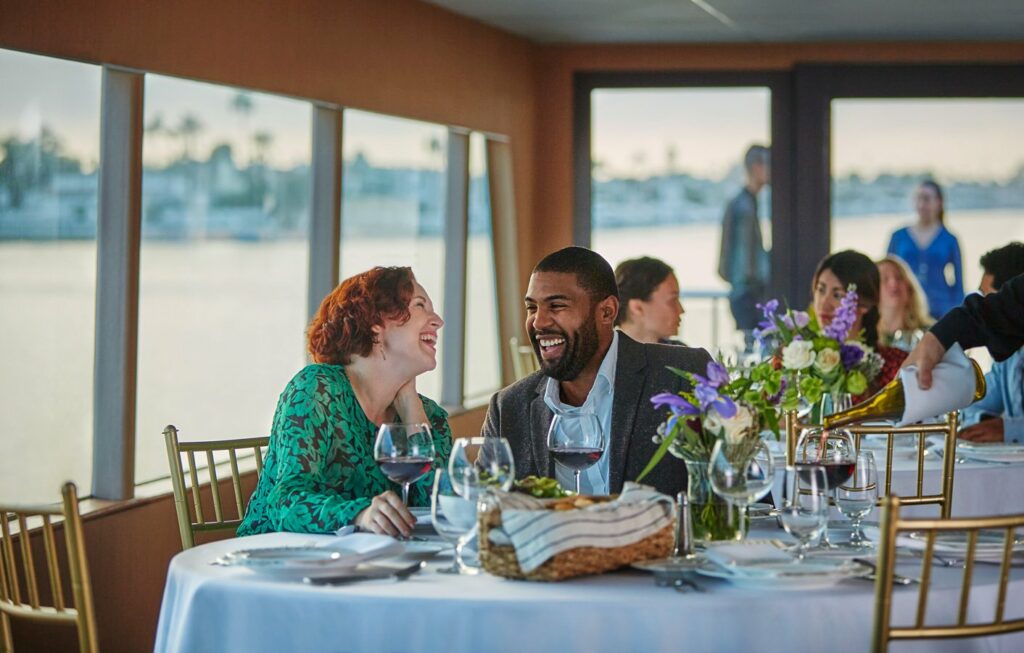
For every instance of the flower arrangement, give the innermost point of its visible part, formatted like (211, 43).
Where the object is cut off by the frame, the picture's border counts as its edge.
(817, 360)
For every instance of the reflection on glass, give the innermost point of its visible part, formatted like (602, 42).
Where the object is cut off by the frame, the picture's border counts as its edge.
(49, 148)
(224, 261)
(393, 191)
(666, 163)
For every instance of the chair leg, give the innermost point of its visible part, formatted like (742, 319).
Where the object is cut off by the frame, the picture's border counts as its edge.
(6, 641)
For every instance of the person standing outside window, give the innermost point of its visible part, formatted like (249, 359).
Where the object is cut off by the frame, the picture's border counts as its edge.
(931, 251)
(743, 261)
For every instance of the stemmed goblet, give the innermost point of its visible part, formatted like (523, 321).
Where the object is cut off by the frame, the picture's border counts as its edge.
(834, 450)
(742, 474)
(480, 463)
(405, 453)
(856, 498)
(576, 441)
(804, 512)
(454, 519)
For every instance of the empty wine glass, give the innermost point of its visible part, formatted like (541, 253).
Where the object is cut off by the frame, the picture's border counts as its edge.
(856, 498)
(835, 402)
(405, 453)
(834, 450)
(576, 442)
(741, 474)
(804, 512)
(481, 463)
(454, 519)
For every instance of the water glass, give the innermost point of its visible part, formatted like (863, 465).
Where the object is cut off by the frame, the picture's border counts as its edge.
(454, 519)
(479, 463)
(576, 441)
(405, 453)
(741, 474)
(856, 498)
(804, 512)
(834, 451)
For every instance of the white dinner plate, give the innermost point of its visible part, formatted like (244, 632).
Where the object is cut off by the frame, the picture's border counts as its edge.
(994, 452)
(810, 574)
(668, 566)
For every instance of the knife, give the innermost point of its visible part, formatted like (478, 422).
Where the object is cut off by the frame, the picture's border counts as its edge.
(373, 573)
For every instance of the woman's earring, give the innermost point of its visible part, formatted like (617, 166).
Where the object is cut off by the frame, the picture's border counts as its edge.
(382, 354)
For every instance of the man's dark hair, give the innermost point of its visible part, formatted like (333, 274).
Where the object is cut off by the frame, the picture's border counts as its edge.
(593, 273)
(1004, 263)
(755, 154)
(637, 278)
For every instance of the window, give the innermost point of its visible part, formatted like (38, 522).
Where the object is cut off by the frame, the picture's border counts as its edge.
(224, 261)
(665, 162)
(49, 151)
(393, 195)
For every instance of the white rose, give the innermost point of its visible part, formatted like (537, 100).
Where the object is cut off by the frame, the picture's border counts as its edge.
(798, 355)
(739, 425)
(827, 361)
(712, 423)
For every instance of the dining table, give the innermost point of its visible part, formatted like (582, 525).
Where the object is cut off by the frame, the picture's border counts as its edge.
(215, 608)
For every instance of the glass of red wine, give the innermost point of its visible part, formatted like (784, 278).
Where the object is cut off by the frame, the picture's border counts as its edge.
(405, 453)
(834, 450)
(576, 441)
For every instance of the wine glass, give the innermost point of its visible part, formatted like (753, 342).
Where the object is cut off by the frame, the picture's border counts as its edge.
(835, 402)
(834, 450)
(477, 463)
(405, 453)
(576, 442)
(804, 512)
(742, 474)
(856, 498)
(454, 519)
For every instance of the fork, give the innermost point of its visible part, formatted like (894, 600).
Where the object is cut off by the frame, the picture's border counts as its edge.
(896, 578)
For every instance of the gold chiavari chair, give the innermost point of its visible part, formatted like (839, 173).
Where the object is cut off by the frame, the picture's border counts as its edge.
(187, 525)
(943, 498)
(524, 362)
(891, 525)
(55, 611)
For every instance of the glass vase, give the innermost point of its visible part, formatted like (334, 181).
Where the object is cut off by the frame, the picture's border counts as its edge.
(713, 518)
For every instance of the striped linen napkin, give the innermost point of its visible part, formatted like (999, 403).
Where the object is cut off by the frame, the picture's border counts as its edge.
(538, 534)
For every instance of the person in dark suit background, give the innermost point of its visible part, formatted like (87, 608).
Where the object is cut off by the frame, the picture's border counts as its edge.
(588, 366)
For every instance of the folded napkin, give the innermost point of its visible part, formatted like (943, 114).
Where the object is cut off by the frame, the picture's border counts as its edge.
(952, 388)
(360, 547)
(538, 534)
(749, 553)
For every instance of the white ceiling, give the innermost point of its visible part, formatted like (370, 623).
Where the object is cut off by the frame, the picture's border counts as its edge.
(748, 21)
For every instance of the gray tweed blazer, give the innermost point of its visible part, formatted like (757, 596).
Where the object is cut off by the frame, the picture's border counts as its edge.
(519, 414)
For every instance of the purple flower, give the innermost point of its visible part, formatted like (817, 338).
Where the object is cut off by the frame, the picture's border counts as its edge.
(845, 316)
(717, 375)
(677, 404)
(850, 355)
(774, 399)
(769, 308)
(801, 318)
(709, 398)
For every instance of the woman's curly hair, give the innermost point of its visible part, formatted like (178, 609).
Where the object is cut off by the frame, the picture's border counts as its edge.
(343, 325)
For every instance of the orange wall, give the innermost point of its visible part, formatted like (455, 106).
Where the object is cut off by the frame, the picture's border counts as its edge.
(552, 170)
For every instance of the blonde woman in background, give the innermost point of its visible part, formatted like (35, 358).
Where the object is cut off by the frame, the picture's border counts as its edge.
(902, 305)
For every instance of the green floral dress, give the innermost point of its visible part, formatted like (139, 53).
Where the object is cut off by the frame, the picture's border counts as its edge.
(319, 471)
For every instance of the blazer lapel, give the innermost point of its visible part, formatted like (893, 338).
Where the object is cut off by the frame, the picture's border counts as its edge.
(540, 422)
(629, 390)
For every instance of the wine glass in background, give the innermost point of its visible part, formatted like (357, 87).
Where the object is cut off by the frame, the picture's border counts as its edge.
(576, 441)
(856, 498)
(454, 519)
(804, 512)
(479, 463)
(741, 474)
(405, 453)
(834, 450)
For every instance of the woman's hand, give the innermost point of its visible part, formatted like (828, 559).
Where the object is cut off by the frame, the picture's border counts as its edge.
(386, 515)
(408, 404)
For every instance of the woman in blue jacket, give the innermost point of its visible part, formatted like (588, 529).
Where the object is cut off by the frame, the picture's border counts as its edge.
(931, 251)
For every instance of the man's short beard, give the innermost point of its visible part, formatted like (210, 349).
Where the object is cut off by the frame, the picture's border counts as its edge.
(579, 350)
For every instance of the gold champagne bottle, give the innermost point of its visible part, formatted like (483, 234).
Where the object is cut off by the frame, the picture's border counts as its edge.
(888, 403)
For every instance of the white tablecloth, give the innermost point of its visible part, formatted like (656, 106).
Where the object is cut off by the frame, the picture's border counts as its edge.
(217, 609)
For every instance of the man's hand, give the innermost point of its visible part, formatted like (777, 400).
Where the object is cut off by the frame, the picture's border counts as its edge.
(926, 356)
(387, 516)
(990, 430)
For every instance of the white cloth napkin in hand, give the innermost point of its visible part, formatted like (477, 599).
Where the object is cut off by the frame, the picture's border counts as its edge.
(952, 388)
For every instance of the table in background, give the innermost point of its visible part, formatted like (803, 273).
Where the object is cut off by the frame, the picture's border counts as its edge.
(214, 608)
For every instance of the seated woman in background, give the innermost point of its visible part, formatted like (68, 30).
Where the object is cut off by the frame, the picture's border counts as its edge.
(649, 306)
(370, 339)
(902, 306)
(834, 275)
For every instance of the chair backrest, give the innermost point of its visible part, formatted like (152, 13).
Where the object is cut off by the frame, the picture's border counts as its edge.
(524, 361)
(195, 521)
(947, 429)
(29, 605)
(927, 529)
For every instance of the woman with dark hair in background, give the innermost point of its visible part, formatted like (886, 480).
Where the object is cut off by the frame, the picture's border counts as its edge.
(931, 251)
(370, 339)
(649, 306)
(834, 275)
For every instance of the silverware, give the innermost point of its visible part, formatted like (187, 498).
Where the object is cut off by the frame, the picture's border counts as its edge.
(682, 584)
(373, 573)
(896, 578)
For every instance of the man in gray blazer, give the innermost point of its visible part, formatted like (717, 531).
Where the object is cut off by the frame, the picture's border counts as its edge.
(587, 366)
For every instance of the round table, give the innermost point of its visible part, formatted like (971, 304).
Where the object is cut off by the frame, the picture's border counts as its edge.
(215, 608)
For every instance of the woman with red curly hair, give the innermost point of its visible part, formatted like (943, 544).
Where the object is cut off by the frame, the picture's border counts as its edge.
(370, 339)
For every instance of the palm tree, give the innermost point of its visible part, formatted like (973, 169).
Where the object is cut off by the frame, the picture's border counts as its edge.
(187, 129)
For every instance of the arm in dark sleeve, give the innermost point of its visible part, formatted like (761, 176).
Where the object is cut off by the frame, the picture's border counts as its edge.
(492, 423)
(995, 321)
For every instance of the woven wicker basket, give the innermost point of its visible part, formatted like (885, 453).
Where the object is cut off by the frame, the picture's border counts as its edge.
(501, 560)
